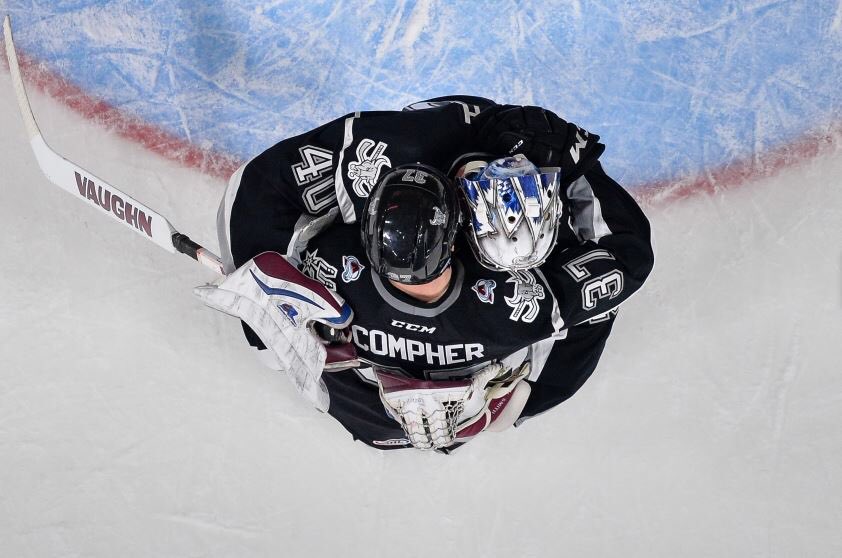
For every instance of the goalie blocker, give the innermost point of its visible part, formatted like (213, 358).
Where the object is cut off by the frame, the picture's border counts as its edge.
(283, 306)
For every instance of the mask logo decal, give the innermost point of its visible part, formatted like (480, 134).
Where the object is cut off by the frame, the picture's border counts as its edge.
(289, 313)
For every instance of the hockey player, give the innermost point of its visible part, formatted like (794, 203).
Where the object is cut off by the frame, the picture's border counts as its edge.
(448, 335)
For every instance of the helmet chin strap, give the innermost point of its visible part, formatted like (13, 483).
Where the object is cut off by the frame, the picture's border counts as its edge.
(427, 292)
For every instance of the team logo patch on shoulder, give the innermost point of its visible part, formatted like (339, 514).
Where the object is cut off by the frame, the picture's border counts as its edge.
(317, 268)
(485, 290)
(366, 169)
(526, 296)
(351, 268)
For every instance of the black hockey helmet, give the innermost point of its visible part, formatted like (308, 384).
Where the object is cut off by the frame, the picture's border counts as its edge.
(409, 224)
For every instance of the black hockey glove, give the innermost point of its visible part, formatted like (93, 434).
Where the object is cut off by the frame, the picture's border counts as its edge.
(546, 139)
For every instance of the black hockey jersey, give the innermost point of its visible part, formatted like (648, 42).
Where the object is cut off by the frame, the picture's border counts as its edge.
(483, 315)
(336, 165)
(603, 255)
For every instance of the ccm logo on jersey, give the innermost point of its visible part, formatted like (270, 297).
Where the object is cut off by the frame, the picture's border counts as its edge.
(413, 327)
(382, 343)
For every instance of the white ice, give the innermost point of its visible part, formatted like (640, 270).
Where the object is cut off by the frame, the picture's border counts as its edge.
(134, 422)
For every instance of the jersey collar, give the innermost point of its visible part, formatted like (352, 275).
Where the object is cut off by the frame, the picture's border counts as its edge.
(408, 305)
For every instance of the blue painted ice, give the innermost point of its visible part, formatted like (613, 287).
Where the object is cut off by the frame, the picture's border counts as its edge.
(136, 423)
(672, 87)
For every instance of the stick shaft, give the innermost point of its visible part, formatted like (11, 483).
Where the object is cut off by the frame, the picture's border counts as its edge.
(75, 180)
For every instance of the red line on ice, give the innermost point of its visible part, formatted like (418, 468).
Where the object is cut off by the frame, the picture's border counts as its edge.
(736, 173)
(129, 126)
(222, 165)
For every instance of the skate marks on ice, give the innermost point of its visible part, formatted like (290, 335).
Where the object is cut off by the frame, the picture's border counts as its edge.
(715, 409)
(677, 90)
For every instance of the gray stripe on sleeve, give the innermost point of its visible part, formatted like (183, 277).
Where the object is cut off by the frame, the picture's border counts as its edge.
(346, 205)
(586, 218)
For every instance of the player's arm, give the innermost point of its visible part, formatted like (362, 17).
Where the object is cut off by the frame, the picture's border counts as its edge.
(471, 104)
(614, 255)
(269, 194)
(273, 193)
(294, 317)
(545, 138)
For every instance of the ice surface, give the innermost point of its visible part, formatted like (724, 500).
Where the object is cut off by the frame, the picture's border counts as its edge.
(678, 86)
(133, 421)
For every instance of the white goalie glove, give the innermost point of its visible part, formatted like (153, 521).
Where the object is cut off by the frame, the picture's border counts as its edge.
(437, 414)
(283, 307)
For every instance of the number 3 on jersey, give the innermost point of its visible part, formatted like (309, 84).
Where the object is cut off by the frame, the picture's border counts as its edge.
(606, 286)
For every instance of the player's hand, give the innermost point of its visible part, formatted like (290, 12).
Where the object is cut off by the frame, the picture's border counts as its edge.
(283, 306)
(546, 139)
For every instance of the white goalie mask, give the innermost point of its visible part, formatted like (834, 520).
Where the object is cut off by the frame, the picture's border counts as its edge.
(514, 211)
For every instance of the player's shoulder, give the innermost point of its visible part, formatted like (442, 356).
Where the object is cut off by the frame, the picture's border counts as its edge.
(440, 111)
(483, 281)
(324, 139)
(335, 253)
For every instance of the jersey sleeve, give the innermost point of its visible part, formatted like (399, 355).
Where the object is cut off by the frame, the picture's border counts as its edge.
(434, 132)
(613, 255)
(275, 189)
(334, 166)
(471, 104)
(337, 165)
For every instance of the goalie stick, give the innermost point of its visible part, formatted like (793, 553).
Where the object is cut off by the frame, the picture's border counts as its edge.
(72, 178)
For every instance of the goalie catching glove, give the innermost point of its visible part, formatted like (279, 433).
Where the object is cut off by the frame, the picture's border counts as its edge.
(437, 414)
(284, 307)
(546, 139)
